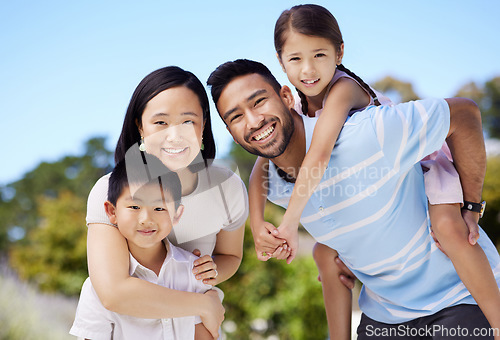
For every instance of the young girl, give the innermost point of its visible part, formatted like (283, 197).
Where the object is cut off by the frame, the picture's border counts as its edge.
(310, 48)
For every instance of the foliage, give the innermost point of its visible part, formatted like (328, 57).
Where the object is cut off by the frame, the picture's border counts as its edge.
(398, 91)
(54, 254)
(76, 174)
(491, 194)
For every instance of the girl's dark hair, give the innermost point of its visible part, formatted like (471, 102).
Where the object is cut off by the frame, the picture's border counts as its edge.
(154, 83)
(317, 21)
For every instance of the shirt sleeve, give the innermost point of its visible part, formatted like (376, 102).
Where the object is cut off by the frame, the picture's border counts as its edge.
(407, 132)
(92, 320)
(95, 202)
(235, 198)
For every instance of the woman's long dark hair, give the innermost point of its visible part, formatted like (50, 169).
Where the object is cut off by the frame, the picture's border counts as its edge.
(316, 21)
(154, 83)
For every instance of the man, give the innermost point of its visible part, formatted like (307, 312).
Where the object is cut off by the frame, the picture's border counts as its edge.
(371, 205)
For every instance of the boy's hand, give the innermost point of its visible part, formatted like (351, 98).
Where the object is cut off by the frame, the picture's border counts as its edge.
(264, 237)
(289, 231)
(214, 313)
(471, 219)
(205, 269)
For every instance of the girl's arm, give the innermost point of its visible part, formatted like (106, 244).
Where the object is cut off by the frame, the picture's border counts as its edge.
(227, 257)
(262, 231)
(108, 262)
(344, 96)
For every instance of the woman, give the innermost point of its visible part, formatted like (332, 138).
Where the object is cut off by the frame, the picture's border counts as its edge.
(169, 117)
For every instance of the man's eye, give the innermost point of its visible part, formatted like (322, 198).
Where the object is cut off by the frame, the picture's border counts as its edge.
(235, 117)
(259, 101)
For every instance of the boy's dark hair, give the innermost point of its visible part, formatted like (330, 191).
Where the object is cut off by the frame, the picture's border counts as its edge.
(149, 171)
(230, 70)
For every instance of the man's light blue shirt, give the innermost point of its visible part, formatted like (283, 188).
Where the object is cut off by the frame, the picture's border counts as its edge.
(371, 207)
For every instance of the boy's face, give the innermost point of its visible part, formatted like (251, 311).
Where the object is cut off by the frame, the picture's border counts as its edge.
(146, 218)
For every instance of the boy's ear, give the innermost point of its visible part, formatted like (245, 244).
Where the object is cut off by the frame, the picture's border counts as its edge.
(110, 211)
(281, 63)
(287, 97)
(178, 214)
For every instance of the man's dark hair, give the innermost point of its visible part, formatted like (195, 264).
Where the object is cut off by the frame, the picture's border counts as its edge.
(230, 70)
(150, 171)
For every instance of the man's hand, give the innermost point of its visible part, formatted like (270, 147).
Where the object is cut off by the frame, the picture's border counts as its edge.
(266, 242)
(214, 313)
(346, 276)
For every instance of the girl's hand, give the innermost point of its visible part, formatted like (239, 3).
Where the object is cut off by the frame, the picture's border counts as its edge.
(266, 242)
(205, 269)
(289, 231)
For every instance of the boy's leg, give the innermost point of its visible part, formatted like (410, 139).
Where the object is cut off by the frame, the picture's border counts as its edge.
(469, 261)
(336, 296)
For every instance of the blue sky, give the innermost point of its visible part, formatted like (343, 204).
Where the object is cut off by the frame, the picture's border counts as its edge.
(68, 68)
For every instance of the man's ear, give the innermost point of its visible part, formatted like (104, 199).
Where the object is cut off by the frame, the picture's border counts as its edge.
(287, 97)
(340, 54)
(178, 214)
(281, 63)
(110, 211)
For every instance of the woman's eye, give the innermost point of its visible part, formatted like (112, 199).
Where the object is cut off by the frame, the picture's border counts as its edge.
(188, 122)
(160, 122)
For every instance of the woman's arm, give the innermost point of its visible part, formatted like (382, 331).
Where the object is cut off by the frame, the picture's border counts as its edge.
(108, 262)
(344, 96)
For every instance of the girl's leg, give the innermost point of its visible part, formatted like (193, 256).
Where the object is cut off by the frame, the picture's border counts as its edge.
(336, 296)
(469, 261)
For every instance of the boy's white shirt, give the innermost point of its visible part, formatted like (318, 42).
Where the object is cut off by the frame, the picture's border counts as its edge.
(94, 321)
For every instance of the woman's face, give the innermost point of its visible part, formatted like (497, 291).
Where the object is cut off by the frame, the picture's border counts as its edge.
(172, 127)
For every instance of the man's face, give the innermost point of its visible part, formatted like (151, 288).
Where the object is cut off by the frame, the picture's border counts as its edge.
(256, 116)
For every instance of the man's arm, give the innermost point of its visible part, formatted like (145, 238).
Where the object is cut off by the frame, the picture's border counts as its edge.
(466, 143)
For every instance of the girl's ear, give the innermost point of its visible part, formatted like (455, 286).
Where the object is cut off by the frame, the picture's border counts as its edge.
(281, 63)
(178, 214)
(287, 97)
(110, 211)
(340, 54)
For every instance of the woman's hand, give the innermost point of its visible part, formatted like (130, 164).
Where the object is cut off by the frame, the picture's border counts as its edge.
(205, 268)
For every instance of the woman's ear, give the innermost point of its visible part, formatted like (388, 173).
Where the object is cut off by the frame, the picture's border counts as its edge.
(178, 214)
(287, 97)
(340, 54)
(110, 211)
(281, 63)
(139, 126)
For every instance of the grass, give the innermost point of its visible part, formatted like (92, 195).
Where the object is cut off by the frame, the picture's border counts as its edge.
(27, 314)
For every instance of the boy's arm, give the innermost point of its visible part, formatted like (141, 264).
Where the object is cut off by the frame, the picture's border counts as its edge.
(344, 96)
(108, 261)
(262, 231)
(202, 333)
(466, 142)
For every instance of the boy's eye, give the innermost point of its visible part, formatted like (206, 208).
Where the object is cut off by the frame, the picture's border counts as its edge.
(134, 207)
(159, 209)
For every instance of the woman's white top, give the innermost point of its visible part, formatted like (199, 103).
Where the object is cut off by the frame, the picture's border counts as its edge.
(219, 202)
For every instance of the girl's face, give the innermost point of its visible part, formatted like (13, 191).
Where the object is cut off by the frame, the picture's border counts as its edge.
(310, 62)
(172, 126)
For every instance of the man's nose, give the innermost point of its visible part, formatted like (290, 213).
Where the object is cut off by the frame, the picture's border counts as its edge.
(254, 120)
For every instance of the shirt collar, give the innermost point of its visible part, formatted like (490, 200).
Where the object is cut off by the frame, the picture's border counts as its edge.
(173, 253)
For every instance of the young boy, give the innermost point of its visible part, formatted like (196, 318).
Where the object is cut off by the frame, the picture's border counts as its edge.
(144, 212)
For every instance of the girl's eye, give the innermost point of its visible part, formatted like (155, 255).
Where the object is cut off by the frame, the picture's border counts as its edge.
(320, 55)
(294, 59)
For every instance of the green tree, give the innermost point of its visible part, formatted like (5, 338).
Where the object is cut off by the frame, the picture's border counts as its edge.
(490, 107)
(491, 194)
(54, 254)
(19, 200)
(398, 91)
